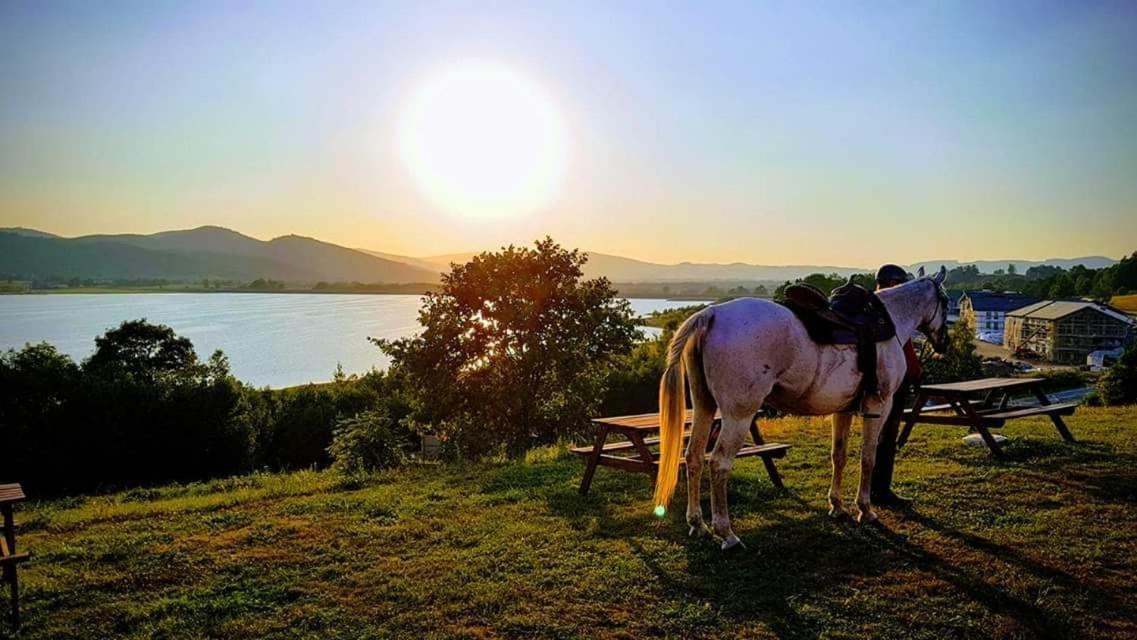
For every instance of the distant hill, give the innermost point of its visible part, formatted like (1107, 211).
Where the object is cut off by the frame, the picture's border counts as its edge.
(205, 252)
(23, 231)
(217, 252)
(620, 269)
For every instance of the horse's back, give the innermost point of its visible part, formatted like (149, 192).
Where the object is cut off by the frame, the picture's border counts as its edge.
(743, 318)
(756, 344)
(752, 332)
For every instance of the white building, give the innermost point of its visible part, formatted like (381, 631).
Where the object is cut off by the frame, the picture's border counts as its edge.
(988, 311)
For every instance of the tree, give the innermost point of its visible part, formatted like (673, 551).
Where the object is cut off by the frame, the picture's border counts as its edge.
(1063, 286)
(1119, 384)
(1042, 272)
(959, 362)
(1125, 274)
(514, 351)
(1103, 285)
(761, 291)
(142, 349)
(1012, 269)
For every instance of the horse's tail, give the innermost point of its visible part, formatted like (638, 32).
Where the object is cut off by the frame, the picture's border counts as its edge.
(687, 342)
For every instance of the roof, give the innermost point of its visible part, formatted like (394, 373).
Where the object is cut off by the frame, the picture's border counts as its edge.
(1055, 309)
(993, 301)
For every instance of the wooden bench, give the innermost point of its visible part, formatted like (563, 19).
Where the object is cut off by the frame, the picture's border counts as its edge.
(10, 494)
(635, 429)
(992, 411)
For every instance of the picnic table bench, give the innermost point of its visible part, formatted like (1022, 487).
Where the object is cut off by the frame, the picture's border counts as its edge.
(993, 410)
(637, 430)
(10, 494)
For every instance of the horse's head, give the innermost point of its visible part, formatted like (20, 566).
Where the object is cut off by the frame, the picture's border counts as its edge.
(934, 324)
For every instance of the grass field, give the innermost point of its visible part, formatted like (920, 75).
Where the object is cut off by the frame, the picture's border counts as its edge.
(1043, 544)
(1125, 303)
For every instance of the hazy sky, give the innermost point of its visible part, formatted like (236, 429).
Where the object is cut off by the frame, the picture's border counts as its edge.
(754, 131)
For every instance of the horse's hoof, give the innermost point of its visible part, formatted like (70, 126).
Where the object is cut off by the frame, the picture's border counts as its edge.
(698, 531)
(732, 542)
(837, 513)
(867, 517)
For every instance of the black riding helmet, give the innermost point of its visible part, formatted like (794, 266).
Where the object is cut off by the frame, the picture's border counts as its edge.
(889, 274)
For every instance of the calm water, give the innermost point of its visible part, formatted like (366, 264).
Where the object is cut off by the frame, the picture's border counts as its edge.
(270, 339)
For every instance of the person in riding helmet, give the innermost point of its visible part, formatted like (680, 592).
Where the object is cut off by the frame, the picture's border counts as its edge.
(887, 276)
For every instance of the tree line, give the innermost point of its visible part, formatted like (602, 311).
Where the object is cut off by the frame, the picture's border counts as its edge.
(1046, 281)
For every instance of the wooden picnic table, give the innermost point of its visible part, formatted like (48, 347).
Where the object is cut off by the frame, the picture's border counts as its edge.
(637, 430)
(10, 494)
(992, 410)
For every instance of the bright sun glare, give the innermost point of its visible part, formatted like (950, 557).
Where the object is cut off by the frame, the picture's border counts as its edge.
(480, 140)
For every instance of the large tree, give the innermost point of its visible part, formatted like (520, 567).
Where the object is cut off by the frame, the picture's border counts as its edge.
(514, 351)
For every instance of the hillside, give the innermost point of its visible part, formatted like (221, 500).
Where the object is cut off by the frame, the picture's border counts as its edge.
(217, 252)
(1042, 544)
(205, 252)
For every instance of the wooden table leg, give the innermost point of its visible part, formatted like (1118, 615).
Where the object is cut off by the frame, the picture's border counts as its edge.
(977, 424)
(910, 420)
(771, 469)
(645, 454)
(11, 575)
(594, 458)
(1059, 423)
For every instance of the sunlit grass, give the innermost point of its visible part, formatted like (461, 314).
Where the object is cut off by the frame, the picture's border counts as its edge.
(1042, 544)
(1125, 303)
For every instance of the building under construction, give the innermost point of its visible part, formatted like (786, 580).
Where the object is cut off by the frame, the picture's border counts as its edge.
(1065, 331)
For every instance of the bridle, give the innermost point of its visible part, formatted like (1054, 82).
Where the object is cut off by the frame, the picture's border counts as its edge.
(941, 303)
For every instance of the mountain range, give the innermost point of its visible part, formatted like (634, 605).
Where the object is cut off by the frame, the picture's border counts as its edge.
(220, 253)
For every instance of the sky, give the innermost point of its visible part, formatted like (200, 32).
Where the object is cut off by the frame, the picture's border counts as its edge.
(770, 133)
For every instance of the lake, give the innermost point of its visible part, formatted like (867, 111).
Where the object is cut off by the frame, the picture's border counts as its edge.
(276, 340)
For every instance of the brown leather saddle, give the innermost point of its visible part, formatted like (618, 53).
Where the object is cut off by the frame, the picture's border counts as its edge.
(851, 315)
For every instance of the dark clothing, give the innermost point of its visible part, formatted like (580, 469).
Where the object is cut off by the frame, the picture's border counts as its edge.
(886, 447)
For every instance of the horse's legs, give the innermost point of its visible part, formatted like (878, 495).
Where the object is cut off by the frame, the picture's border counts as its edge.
(841, 423)
(731, 437)
(868, 459)
(696, 449)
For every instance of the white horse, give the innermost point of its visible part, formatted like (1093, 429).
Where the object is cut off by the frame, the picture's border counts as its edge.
(748, 353)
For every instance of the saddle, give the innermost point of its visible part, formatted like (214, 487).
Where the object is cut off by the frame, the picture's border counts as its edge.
(852, 315)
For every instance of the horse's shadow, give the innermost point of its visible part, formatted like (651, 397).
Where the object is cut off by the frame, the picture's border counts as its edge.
(800, 561)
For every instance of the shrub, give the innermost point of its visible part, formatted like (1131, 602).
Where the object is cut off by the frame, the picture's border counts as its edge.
(960, 361)
(365, 442)
(1118, 385)
(142, 409)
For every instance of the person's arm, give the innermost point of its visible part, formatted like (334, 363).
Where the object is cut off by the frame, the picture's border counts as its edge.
(915, 371)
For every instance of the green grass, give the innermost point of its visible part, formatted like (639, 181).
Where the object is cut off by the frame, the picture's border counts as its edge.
(1043, 544)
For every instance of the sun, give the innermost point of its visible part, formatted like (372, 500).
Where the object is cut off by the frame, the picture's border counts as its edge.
(481, 140)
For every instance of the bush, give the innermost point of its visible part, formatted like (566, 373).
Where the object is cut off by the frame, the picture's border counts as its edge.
(1118, 385)
(141, 409)
(959, 362)
(366, 442)
(144, 410)
(302, 420)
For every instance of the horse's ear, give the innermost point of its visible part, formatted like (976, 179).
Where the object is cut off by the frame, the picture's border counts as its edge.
(940, 275)
(920, 272)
